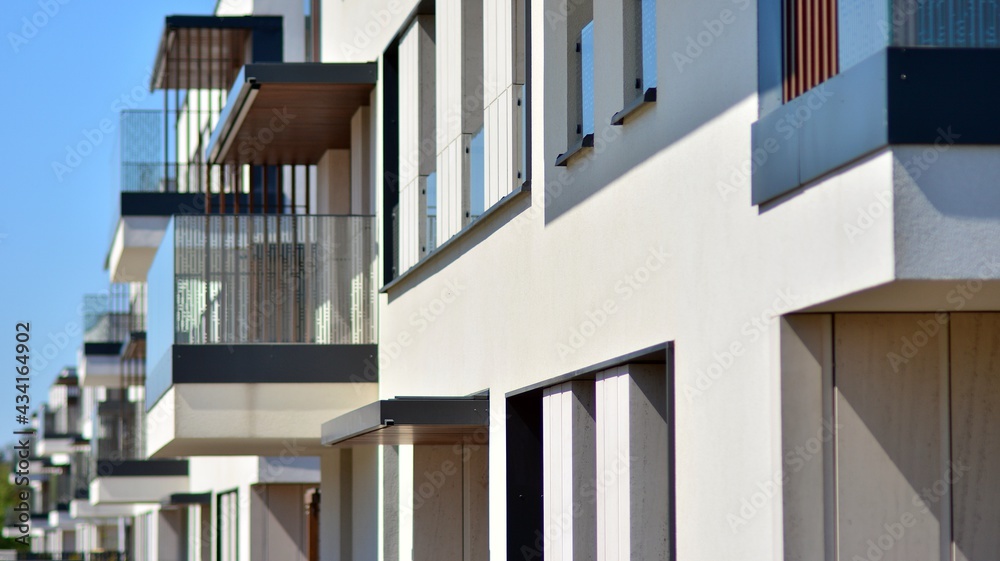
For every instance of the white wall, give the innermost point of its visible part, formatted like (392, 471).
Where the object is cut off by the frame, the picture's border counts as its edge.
(651, 238)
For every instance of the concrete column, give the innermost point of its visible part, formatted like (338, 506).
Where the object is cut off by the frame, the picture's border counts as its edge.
(171, 543)
(569, 448)
(632, 482)
(333, 544)
(364, 502)
(361, 157)
(475, 501)
(333, 183)
(437, 504)
(390, 503)
(806, 437)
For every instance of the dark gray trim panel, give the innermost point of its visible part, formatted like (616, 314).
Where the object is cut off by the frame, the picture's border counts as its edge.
(186, 499)
(647, 97)
(769, 60)
(109, 348)
(168, 204)
(274, 363)
(253, 76)
(898, 96)
(224, 22)
(141, 468)
(443, 412)
(310, 73)
(562, 160)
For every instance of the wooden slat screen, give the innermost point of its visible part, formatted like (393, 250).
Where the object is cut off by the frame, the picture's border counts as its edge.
(810, 44)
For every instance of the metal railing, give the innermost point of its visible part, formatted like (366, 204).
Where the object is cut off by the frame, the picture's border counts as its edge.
(267, 279)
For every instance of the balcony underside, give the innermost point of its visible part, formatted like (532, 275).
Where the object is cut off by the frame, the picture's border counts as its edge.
(100, 365)
(202, 51)
(290, 113)
(143, 223)
(83, 509)
(134, 246)
(138, 481)
(50, 444)
(262, 419)
(421, 421)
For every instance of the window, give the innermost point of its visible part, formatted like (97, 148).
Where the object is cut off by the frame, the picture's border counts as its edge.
(585, 62)
(417, 146)
(477, 175)
(579, 80)
(639, 48)
(431, 235)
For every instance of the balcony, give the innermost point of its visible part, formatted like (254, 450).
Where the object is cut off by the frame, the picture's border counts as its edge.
(111, 320)
(262, 326)
(162, 168)
(137, 481)
(274, 112)
(921, 79)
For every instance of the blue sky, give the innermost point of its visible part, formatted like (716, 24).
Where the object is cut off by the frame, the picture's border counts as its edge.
(66, 73)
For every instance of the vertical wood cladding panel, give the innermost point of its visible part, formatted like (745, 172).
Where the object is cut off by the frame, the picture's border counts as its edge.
(892, 438)
(975, 424)
(810, 44)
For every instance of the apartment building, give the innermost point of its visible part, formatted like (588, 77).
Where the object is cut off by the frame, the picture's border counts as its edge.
(585, 279)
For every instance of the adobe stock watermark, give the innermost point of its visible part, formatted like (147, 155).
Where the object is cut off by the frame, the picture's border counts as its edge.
(695, 45)
(915, 167)
(376, 25)
(94, 137)
(32, 25)
(752, 330)
(562, 12)
(793, 462)
(250, 148)
(807, 106)
(624, 289)
(567, 176)
(419, 321)
(559, 525)
(895, 531)
(927, 330)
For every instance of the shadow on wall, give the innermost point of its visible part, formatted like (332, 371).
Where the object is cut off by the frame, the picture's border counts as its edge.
(704, 71)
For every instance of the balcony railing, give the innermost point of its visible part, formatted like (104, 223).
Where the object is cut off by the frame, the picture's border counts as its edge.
(865, 27)
(260, 279)
(118, 428)
(109, 317)
(265, 279)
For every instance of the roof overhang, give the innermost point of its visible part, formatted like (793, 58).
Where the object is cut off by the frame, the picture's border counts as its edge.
(183, 500)
(290, 113)
(411, 420)
(205, 51)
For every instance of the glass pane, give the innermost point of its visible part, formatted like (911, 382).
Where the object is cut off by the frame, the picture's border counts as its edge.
(946, 23)
(648, 44)
(477, 174)
(863, 30)
(587, 77)
(431, 212)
